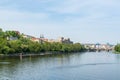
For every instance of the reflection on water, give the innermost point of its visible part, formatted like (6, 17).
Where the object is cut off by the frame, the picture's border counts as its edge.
(82, 65)
(76, 66)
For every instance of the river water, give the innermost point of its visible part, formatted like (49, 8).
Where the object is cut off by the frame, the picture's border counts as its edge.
(74, 66)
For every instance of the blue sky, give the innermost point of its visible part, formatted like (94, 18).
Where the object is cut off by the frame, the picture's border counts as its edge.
(85, 21)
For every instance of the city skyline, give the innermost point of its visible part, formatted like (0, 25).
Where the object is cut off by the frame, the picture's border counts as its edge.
(90, 21)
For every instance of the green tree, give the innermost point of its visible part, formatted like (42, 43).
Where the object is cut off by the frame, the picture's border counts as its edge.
(117, 48)
(12, 33)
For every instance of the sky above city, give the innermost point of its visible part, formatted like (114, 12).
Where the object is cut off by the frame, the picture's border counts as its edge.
(85, 21)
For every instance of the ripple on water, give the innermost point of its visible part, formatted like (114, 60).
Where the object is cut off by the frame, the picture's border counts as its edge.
(4, 62)
(82, 65)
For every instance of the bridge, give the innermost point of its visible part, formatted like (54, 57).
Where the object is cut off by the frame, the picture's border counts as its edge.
(99, 47)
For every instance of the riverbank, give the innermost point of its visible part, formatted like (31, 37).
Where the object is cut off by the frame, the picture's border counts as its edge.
(37, 54)
(24, 55)
(116, 52)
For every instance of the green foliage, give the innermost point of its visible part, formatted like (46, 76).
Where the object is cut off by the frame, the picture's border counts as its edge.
(2, 34)
(3, 44)
(12, 33)
(5, 50)
(0, 29)
(23, 45)
(117, 48)
(26, 46)
(15, 45)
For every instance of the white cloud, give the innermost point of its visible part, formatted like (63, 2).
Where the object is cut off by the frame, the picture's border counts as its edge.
(74, 6)
(14, 16)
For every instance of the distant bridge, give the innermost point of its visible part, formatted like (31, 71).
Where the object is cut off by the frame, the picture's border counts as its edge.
(99, 47)
(98, 50)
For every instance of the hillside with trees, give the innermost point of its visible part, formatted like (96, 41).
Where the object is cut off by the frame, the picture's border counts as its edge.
(12, 42)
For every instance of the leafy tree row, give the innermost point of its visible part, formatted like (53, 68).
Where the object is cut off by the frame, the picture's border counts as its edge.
(26, 46)
(23, 45)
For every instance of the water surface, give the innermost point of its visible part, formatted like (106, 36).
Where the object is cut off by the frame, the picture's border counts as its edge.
(75, 66)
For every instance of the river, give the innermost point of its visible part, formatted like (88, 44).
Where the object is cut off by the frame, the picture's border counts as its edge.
(74, 66)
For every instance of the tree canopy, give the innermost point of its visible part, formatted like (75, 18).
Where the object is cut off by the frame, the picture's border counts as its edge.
(24, 45)
(117, 48)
